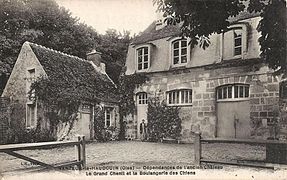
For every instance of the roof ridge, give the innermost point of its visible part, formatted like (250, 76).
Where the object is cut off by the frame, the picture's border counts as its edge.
(50, 49)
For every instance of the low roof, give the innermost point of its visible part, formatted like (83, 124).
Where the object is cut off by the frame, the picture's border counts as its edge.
(79, 75)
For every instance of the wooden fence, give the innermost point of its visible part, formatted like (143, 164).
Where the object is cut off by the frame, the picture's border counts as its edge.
(198, 150)
(80, 161)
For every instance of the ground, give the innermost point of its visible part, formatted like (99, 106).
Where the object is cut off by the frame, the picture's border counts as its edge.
(134, 153)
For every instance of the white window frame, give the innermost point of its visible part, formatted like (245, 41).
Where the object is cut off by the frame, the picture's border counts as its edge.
(181, 95)
(141, 48)
(28, 123)
(173, 41)
(110, 111)
(232, 98)
(142, 98)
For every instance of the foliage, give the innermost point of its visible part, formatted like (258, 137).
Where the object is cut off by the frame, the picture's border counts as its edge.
(127, 85)
(17, 132)
(103, 134)
(202, 18)
(114, 47)
(99, 123)
(163, 121)
(42, 22)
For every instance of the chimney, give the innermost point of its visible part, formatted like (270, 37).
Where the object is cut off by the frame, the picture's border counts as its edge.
(95, 57)
(96, 60)
(159, 20)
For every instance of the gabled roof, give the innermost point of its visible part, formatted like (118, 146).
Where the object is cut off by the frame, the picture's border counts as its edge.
(78, 74)
(150, 33)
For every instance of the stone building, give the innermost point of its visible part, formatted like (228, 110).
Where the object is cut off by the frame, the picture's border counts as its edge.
(223, 91)
(87, 77)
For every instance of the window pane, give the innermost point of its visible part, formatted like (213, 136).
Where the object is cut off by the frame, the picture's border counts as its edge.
(183, 51)
(219, 93)
(182, 96)
(246, 91)
(145, 50)
(140, 52)
(241, 91)
(173, 98)
(235, 91)
(237, 51)
(175, 60)
(224, 92)
(183, 43)
(176, 45)
(108, 123)
(139, 66)
(169, 98)
(140, 59)
(176, 52)
(190, 96)
(229, 91)
(183, 59)
(177, 97)
(145, 65)
(146, 58)
(237, 42)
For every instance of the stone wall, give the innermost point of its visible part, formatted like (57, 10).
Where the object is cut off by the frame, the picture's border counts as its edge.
(4, 119)
(201, 115)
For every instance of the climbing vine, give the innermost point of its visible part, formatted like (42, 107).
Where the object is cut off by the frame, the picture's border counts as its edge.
(163, 120)
(127, 85)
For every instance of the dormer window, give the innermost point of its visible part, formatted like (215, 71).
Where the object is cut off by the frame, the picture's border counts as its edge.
(143, 58)
(235, 42)
(179, 52)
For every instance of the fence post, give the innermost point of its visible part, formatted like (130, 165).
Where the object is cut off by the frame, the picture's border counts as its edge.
(79, 153)
(83, 144)
(197, 148)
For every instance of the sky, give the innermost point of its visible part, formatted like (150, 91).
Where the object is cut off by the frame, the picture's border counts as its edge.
(132, 15)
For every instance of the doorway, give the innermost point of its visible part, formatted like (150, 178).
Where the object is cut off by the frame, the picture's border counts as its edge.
(233, 111)
(141, 110)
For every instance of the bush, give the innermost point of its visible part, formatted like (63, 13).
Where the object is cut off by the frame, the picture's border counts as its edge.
(163, 121)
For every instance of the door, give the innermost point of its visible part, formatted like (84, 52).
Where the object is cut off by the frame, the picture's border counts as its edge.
(233, 111)
(85, 122)
(233, 119)
(141, 110)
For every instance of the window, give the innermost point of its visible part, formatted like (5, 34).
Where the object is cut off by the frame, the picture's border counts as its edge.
(142, 58)
(229, 92)
(234, 42)
(31, 115)
(283, 90)
(86, 108)
(179, 52)
(237, 42)
(179, 97)
(108, 117)
(142, 98)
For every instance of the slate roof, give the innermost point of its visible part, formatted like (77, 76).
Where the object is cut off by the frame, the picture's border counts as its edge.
(150, 33)
(77, 73)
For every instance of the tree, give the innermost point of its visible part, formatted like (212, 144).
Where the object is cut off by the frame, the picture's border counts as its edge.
(114, 47)
(42, 22)
(201, 18)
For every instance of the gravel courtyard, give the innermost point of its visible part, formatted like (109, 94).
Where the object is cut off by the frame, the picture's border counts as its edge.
(134, 153)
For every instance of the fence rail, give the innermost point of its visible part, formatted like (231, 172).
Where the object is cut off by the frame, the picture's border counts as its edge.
(80, 161)
(198, 150)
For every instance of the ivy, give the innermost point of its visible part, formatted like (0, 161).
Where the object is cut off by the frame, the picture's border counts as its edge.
(127, 85)
(163, 120)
